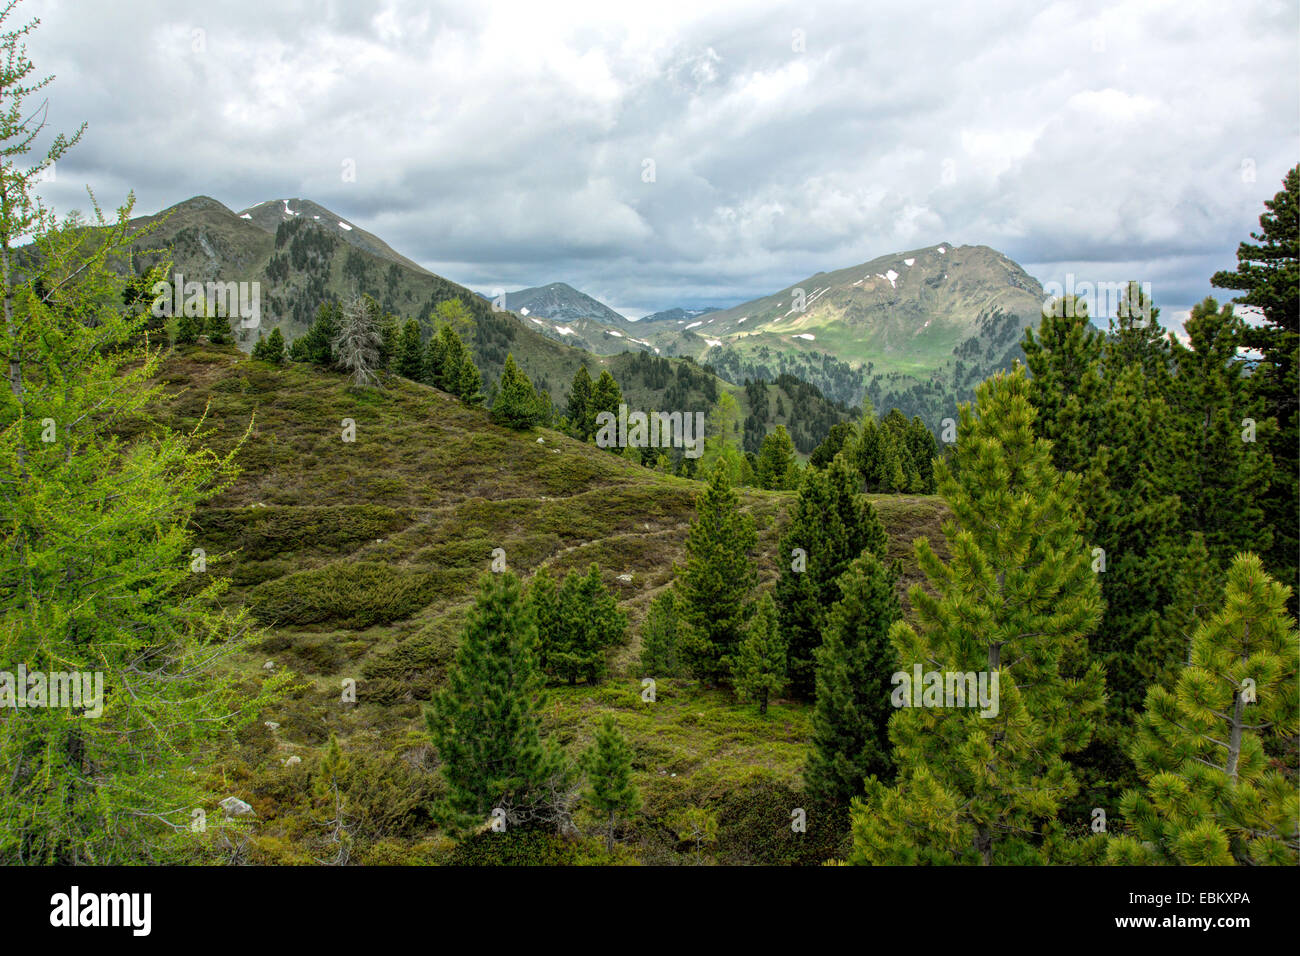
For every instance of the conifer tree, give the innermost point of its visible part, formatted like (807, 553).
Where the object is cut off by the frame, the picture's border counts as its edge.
(469, 383)
(609, 775)
(484, 722)
(1016, 600)
(587, 622)
(923, 449)
(777, 468)
(1211, 795)
(659, 654)
(838, 436)
(357, 342)
(720, 440)
(97, 569)
(434, 370)
(758, 671)
(316, 346)
(1104, 404)
(715, 584)
(1268, 273)
(516, 402)
(1064, 360)
(581, 415)
(410, 352)
(832, 525)
(1196, 584)
(1222, 476)
(328, 787)
(217, 328)
(606, 396)
(270, 348)
(1137, 340)
(543, 599)
(187, 329)
(275, 347)
(854, 664)
(390, 335)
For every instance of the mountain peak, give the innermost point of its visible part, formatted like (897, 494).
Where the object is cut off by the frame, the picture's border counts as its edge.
(271, 213)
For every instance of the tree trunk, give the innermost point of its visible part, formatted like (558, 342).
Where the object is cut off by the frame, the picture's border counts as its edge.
(609, 834)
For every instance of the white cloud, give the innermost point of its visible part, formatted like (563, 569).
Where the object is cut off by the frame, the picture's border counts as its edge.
(504, 144)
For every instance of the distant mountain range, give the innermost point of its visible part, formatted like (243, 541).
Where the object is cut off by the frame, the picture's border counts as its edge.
(913, 328)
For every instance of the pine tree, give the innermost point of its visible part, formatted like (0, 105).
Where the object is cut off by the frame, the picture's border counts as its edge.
(409, 362)
(328, 786)
(484, 722)
(659, 637)
(1222, 477)
(1016, 601)
(586, 622)
(1212, 796)
(357, 342)
(923, 449)
(516, 403)
(469, 383)
(97, 574)
(1195, 583)
(317, 344)
(435, 360)
(850, 721)
(609, 774)
(582, 417)
(838, 436)
(832, 525)
(606, 396)
(758, 672)
(1269, 274)
(1064, 360)
(187, 329)
(715, 585)
(275, 347)
(270, 348)
(777, 468)
(1103, 402)
(542, 597)
(217, 328)
(390, 336)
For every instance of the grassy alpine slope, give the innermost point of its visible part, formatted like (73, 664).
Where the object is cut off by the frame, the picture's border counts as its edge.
(360, 559)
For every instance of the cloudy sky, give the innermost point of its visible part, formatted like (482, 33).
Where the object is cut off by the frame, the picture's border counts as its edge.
(669, 153)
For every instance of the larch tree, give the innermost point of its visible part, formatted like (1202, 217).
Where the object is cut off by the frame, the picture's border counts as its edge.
(100, 561)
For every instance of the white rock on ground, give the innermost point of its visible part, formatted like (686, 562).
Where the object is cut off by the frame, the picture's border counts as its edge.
(235, 807)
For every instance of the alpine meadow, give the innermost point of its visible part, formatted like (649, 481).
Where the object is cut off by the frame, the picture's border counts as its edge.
(619, 519)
